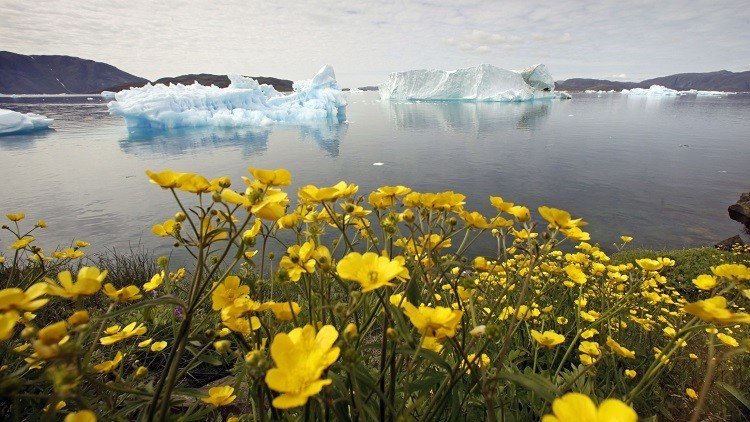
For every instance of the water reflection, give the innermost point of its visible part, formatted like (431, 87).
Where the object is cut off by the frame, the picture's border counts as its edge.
(251, 140)
(463, 117)
(23, 141)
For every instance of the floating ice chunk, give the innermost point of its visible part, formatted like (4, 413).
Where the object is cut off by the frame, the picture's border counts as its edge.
(480, 83)
(244, 102)
(538, 77)
(12, 122)
(654, 90)
(377, 164)
(108, 95)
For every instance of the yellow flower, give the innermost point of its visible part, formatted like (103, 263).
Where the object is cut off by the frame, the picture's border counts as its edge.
(126, 294)
(222, 346)
(439, 322)
(220, 396)
(575, 273)
(22, 243)
(109, 365)
(165, 229)
(68, 253)
(559, 219)
(158, 346)
(166, 178)
(715, 310)
(591, 332)
(141, 371)
(630, 373)
(8, 321)
(370, 270)
(253, 231)
(590, 348)
(271, 206)
(81, 416)
(299, 259)
(693, 356)
(311, 194)
(225, 293)
(15, 216)
(300, 358)
(41, 224)
(626, 239)
(194, 183)
(385, 196)
(734, 272)
(278, 177)
(521, 213)
(691, 393)
(475, 219)
(145, 343)
(78, 318)
(577, 407)
(649, 264)
(130, 330)
(17, 299)
(88, 281)
(620, 350)
(728, 340)
(575, 233)
(156, 281)
(548, 339)
(704, 282)
(283, 311)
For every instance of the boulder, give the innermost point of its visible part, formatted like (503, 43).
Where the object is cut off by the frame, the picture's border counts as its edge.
(729, 243)
(741, 210)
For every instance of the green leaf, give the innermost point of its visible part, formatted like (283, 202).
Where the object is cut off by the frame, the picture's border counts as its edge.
(735, 393)
(533, 382)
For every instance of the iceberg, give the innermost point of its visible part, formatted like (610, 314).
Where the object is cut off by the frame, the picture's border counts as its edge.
(658, 90)
(12, 122)
(480, 83)
(653, 90)
(244, 102)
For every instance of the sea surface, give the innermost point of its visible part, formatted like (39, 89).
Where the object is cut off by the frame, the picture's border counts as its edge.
(662, 170)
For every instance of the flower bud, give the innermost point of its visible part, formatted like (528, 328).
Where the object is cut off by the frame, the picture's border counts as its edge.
(162, 261)
(141, 371)
(179, 217)
(222, 346)
(391, 333)
(216, 197)
(350, 332)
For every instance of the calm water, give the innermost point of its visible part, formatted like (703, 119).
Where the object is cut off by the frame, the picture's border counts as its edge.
(662, 170)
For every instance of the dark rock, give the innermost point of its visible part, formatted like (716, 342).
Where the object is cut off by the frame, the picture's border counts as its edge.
(22, 74)
(722, 80)
(729, 243)
(741, 210)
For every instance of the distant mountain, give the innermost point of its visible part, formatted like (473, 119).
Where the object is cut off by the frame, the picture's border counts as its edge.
(723, 80)
(22, 74)
(222, 81)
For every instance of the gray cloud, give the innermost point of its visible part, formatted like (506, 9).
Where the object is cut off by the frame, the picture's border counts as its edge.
(365, 40)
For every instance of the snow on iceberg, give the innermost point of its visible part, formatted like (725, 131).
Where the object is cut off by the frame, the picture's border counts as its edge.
(244, 102)
(12, 122)
(480, 83)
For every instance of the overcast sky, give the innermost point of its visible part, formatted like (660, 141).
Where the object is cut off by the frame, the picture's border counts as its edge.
(364, 40)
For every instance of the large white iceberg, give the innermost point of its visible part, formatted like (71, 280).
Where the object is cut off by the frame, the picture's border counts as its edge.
(480, 83)
(244, 102)
(12, 122)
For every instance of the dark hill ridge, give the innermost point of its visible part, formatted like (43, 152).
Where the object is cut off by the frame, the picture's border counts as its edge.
(22, 74)
(723, 80)
(222, 81)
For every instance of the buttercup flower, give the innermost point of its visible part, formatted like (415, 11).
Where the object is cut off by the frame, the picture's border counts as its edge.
(109, 365)
(227, 291)
(81, 416)
(704, 282)
(278, 177)
(548, 339)
(715, 310)
(126, 294)
(283, 311)
(577, 407)
(370, 270)
(131, 330)
(300, 358)
(88, 281)
(439, 322)
(617, 348)
(220, 396)
(15, 217)
(156, 281)
(735, 272)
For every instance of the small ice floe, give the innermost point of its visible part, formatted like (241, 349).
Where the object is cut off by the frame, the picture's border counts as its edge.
(377, 164)
(89, 99)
